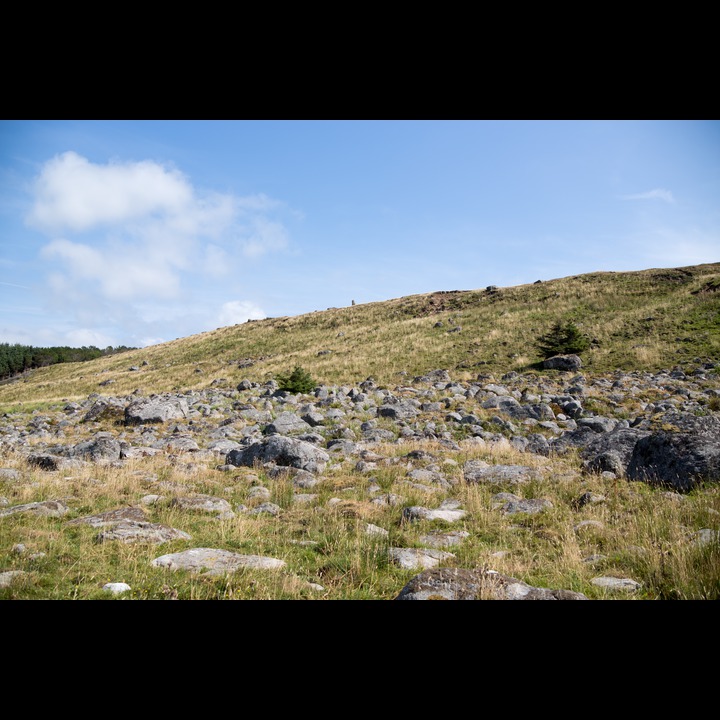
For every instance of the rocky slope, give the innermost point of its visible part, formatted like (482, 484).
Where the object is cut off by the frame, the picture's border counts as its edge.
(661, 429)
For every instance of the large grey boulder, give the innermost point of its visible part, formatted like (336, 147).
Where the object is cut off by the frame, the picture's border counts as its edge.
(156, 410)
(681, 456)
(281, 450)
(403, 410)
(105, 408)
(102, 447)
(562, 362)
(285, 423)
(601, 451)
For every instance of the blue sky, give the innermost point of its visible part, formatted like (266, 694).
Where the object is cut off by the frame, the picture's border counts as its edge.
(134, 232)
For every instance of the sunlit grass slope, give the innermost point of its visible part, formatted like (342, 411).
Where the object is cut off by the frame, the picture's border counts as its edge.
(645, 320)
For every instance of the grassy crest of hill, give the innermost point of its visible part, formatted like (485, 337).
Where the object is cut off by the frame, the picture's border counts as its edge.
(645, 320)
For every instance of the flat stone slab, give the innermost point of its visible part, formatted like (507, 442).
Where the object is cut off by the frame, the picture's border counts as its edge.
(418, 558)
(212, 561)
(477, 471)
(112, 517)
(51, 508)
(613, 583)
(476, 584)
(531, 506)
(448, 539)
(203, 503)
(417, 512)
(142, 532)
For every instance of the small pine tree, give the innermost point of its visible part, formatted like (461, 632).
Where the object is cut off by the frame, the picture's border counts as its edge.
(298, 381)
(563, 339)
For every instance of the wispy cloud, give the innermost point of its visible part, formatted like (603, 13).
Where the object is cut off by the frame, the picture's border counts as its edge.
(656, 194)
(23, 287)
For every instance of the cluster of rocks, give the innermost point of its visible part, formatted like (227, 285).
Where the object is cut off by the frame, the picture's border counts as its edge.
(662, 428)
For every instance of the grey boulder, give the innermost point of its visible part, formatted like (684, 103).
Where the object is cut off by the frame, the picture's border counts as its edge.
(281, 450)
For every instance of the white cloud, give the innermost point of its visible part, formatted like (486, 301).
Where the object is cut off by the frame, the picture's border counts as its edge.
(72, 193)
(239, 311)
(656, 194)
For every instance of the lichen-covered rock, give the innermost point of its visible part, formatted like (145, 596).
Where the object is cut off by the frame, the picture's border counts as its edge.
(141, 532)
(112, 517)
(102, 447)
(212, 561)
(529, 506)
(416, 512)
(205, 503)
(418, 558)
(156, 410)
(285, 423)
(478, 471)
(51, 508)
(476, 584)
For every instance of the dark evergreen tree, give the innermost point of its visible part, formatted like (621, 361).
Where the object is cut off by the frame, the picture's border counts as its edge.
(563, 339)
(298, 381)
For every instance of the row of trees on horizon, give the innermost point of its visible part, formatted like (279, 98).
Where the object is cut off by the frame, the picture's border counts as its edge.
(16, 359)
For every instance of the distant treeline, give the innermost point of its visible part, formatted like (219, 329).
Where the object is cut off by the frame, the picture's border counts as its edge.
(15, 359)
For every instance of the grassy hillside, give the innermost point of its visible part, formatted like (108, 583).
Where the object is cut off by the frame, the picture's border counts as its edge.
(352, 530)
(646, 320)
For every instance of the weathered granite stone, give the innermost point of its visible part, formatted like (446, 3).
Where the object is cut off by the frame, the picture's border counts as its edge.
(476, 584)
(103, 446)
(563, 362)
(156, 410)
(51, 508)
(141, 532)
(282, 451)
(213, 561)
(680, 458)
(418, 558)
(112, 517)
(477, 471)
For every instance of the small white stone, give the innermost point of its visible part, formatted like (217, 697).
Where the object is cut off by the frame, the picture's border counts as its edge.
(116, 588)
